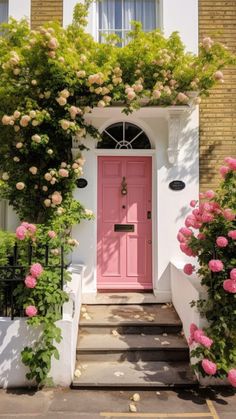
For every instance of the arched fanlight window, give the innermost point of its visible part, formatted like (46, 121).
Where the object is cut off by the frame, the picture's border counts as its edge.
(124, 135)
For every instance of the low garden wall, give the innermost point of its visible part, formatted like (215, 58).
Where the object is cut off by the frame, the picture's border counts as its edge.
(16, 334)
(184, 290)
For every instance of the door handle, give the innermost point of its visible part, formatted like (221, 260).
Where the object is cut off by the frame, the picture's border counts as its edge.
(149, 215)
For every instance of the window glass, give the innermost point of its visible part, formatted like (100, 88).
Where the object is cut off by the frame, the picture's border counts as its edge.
(124, 135)
(3, 11)
(115, 16)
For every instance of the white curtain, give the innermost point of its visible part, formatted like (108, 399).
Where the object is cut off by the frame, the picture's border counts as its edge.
(111, 15)
(3, 11)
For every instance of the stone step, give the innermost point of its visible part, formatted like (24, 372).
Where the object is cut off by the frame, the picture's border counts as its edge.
(120, 298)
(135, 375)
(105, 347)
(147, 316)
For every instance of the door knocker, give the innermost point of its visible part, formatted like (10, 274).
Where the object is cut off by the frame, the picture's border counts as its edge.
(124, 186)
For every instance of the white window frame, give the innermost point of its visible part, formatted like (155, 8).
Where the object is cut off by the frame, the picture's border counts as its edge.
(96, 30)
(7, 1)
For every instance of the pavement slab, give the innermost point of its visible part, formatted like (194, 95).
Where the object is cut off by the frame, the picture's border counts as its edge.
(97, 404)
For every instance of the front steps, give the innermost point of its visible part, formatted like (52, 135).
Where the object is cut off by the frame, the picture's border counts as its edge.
(129, 345)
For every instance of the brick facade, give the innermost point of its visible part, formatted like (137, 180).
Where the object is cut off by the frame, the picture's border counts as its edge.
(217, 18)
(45, 10)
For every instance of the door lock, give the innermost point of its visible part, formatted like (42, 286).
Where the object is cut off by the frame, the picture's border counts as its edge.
(149, 215)
(149, 241)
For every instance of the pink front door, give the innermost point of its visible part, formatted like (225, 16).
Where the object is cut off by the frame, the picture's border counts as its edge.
(124, 254)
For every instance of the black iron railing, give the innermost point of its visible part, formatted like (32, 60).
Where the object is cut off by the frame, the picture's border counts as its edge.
(14, 272)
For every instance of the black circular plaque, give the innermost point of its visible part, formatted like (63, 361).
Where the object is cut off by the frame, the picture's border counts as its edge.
(177, 185)
(81, 183)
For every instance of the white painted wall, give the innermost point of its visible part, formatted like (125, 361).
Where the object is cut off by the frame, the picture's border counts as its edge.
(169, 207)
(16, 334)
(19, 9)
(181, 16)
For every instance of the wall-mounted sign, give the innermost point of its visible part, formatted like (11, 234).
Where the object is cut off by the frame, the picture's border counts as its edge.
(177, 185)
(81, 183)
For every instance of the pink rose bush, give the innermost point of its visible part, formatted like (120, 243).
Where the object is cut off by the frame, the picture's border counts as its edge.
(209, 234)
(31, 311)
(25, 230)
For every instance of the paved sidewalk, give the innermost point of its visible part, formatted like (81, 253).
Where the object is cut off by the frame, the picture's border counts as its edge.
(92, 404)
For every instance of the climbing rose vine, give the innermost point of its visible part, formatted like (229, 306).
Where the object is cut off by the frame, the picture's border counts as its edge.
(209, 235)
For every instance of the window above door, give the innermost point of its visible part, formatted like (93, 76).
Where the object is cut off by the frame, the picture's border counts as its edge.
(115, 16)
(3, 11)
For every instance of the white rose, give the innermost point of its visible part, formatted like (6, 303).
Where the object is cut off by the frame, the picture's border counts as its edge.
(35, 123)
(36, 138)
(20, 186)
(33, 170)
(45, 188)
(47, 202)
(6, 120)
(34, 82)
(32, 114)
(16, 114)
(65, 93)
(16, 128)
(65, 124)
(50, 151)
(61, 100)
(5, 176)
(48, 177)
(16, 159)
(19, 145)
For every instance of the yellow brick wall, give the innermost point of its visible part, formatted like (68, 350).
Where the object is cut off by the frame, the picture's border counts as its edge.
(44, 10)
(217, 18)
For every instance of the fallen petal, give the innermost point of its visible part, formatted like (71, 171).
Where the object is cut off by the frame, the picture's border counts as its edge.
(118, 373)
(135, 397)
(115, 333)
(165, 342)
(77, 373)
(132, 408)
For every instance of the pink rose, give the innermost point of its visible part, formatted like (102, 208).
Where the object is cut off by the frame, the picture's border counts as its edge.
(232, 377)
(188, 269)
(228, 214)
(224, 170)
(233, 274)
(205, 341)
(30, 281)
(186, 231)
(232, 234)
(63, 173)
(209, 367)
(21, 232)
(53, 43)
(52, 234)
(210, 194)
(231, 162)
(216, 265)
(229, 285)
(221, 241)
(56, 198)
(219, 75)
(32, 228)
(181, 238)
(193, 203)
(201, 195)
(31, 311)
(201, 236)
(207, 217)
(197, 335)
(185, 249)
(36, 270)
(190, 221)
